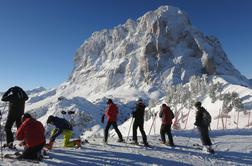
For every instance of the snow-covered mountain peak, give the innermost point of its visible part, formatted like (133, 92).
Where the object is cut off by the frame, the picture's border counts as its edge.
(168, 17)
(159, 48)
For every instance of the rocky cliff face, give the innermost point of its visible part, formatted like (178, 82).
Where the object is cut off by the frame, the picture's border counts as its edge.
(157, 49)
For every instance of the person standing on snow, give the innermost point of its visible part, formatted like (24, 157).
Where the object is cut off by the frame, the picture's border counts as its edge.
(167, 115)
(111, 114)
(62, 126)
(138, 114)
(202, 125)
(16, 97)
(32, 134)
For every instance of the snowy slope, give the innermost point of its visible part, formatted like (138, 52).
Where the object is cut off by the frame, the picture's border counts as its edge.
(187, 122)
(233, 147)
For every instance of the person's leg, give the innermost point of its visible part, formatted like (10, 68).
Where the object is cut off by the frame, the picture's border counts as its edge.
(141, 127)
(117, 131)
(50, 144)
(202, 135)
(170, 135)
(162, 133)
(67, 136)
(8, 125)
(135, 126)
(208, 140)
(106, 131)
(18, 121)
(32, 153)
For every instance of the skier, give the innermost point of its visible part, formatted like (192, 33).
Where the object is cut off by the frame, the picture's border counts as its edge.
(32, 134)
(167, 115)
(64, 127)
(111, 114)
(16, 97)
(202, 125)
(138, 114)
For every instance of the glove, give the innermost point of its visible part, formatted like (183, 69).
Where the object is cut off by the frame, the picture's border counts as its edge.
(49, 145)
(133, 114)
(102, 119)
(22, 143)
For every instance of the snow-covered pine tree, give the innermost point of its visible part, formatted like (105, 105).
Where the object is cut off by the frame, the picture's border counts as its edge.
(227, 106)
(149, 113)
(237, 102)
(215, 90)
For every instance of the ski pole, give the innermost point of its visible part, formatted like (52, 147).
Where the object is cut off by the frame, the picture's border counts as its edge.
(152, 125)
(190, 136)
(1, 132)
(132, 119)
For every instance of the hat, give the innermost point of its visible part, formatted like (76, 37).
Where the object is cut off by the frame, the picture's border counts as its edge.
(139, 100)
(164, 105)
(25, 116)
(109, 101)
(50, 118)
(197, 104)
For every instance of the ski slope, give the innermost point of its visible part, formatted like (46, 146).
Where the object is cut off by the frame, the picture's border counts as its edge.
(233, 147)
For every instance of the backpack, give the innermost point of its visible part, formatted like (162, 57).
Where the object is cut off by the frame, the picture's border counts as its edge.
(206, 118)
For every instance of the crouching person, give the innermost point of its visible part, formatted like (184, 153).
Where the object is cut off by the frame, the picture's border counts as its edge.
(62, 126)
(32, 134)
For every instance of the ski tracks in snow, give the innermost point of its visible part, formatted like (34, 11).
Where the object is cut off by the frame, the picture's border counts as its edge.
(230, 150)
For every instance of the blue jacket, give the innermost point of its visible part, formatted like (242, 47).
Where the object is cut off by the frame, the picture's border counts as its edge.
(60, 125)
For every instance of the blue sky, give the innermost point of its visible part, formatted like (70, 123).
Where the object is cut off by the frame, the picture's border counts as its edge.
(39, 38)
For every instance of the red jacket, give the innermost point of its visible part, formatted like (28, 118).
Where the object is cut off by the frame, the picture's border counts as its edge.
(32, 132)
(111, 112)
(166, 114)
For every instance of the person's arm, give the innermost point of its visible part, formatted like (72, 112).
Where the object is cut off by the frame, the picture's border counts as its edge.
(135, 112)
(198, 118)
(55, 133)
(172, 114)
(7, 95)
(161, 113)
(106, 112)
(102, 118)
(25, 95)
(20, 132)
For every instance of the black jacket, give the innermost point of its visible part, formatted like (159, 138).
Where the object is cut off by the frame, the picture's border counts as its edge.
(138, 114)
(15, 94)
(199, 117)
(16, 97)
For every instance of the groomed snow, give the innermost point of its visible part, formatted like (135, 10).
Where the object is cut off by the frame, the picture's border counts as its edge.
(233, 147)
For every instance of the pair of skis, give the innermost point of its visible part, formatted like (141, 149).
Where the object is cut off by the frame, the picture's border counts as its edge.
(205, 149)
(17, 154)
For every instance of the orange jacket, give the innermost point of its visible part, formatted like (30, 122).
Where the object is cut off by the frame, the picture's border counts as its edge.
(111, 112)
(32, 132)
